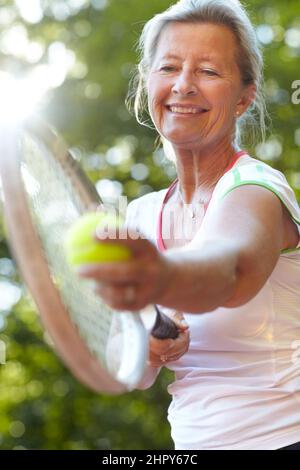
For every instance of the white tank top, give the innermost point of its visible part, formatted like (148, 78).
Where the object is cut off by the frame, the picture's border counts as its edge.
(238, 386)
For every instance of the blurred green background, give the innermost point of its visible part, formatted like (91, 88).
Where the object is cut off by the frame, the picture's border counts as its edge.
(85, 51)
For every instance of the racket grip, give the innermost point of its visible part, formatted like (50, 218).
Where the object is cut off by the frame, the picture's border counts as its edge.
(164, 327)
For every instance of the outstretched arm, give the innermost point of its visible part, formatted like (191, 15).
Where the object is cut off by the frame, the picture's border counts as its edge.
(226, 264)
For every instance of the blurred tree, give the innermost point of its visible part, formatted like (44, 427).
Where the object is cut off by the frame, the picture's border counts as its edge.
(90, 45)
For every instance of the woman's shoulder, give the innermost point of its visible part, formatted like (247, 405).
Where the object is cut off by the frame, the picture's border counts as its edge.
(249, 169)
(248, 160)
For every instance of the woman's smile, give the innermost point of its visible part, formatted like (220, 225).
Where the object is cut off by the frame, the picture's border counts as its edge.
(185, 110)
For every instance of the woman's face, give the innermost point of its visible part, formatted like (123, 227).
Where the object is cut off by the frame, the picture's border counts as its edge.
(194, 85)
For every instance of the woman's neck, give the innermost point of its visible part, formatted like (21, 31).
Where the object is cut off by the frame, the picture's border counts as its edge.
(199, 171)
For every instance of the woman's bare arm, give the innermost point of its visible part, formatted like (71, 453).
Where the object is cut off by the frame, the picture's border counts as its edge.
(231, 257)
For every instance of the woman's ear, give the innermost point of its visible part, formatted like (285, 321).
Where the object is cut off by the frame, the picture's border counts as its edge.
(247, 97)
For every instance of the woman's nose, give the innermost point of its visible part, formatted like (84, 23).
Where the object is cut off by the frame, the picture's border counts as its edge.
(185, 84)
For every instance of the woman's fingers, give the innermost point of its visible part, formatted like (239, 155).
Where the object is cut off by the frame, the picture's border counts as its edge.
(160, 346)
(164, 351)
(179, 320)
(169, 346)
(122, 297)
(123, 271)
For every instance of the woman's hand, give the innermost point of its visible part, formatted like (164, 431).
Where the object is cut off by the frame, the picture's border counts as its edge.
(132, 284)
(163, 351)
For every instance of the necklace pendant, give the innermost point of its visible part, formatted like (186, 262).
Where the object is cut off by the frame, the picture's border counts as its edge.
(195, 212)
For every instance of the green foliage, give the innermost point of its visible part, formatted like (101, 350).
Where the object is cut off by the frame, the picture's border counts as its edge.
(41, 405)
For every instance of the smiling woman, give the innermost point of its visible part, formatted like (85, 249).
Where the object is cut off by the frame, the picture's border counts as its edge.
(195, 94)
(235, 278)
(233, 21)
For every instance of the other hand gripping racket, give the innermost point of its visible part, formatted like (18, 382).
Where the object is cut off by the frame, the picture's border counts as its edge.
(45, 191)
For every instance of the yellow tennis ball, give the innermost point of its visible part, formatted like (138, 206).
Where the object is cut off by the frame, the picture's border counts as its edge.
(81, 247)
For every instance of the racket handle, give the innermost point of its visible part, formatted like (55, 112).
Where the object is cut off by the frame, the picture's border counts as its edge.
(164, 327)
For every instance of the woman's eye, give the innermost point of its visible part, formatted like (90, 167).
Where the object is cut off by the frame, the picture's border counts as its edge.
(167, 68)
(209, 72)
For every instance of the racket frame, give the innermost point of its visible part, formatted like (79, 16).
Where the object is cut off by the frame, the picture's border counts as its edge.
(21, 231)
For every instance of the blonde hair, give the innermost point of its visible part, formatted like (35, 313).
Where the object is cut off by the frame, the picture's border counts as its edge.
(229, 13)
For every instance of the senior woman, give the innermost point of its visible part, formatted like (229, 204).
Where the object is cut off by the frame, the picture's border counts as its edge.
(235, 277)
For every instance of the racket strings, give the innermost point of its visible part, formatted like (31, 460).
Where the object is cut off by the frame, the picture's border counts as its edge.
(55, 205)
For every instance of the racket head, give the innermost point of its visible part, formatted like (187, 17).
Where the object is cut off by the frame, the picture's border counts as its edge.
(105, 350)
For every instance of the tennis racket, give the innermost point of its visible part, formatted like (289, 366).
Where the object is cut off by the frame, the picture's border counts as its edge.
(45, 191)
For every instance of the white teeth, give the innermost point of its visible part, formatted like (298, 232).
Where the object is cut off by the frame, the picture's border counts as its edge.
(179, 109)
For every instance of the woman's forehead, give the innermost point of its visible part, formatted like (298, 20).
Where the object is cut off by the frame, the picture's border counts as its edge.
(206, 40)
